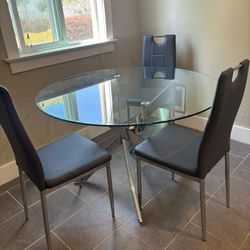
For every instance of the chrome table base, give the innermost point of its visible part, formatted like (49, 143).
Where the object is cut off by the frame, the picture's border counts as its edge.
(131, 183)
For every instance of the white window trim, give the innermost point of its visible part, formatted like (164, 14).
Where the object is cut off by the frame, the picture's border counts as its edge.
(20, 63)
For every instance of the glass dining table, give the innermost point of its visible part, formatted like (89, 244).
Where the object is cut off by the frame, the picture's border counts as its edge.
(128, 99)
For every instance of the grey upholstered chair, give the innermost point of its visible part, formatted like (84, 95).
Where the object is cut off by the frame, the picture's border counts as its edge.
(191, 154)
(156, 58)
(53, 164)
(161, 54)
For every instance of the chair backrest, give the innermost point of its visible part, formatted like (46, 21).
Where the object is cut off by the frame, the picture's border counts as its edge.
(159, 55)
(25, 153)
(216, 137)
(158, 73)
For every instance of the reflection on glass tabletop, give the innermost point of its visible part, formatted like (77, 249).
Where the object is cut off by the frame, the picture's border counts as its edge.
(128, 96)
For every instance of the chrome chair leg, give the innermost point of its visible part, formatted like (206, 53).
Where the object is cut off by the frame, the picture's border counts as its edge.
(110, 187)
(203, 209)
(45, 218)
(172, 176)
(139, 184)
(24, 197)
(227, 178)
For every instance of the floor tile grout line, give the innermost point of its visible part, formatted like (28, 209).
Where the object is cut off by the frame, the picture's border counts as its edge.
(106, 237)
(5, 192)
(122, 224)
(181, 230)
(14, 199)
(171, 242)
(35, 203)
(33, 243)
(212, 196)
(127, 186)
(82, 199)
(79, 211)
(117, 229)
(109, 234)
(207, 201)
(85, 208)
(223, 183)
(43, 236)
(239, 179)
(209, 198)
(15, 186)
(215, 236)
(236, 155)
(190, 220)
(10, 218)
(217, 190)
(143, 207)
(156, 194)
(239, 165)
(101, 195)
(60, 239)
(124, 228)
(244, 241)
(231, 174)
(50, 229)
(47, 195)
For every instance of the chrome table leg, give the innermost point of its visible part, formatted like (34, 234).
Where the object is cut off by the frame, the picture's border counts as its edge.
(132, 187)
(139, 183)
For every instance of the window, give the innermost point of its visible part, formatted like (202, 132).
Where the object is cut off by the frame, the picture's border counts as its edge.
(66, 106)
(46, 24)
(35, 28)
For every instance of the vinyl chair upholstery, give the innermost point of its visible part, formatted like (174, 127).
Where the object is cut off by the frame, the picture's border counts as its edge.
(193, 154)
(156, 58)
(159, 54)
(53, 164)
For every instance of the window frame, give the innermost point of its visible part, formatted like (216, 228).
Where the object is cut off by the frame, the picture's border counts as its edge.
(57, 29)
(22, 62)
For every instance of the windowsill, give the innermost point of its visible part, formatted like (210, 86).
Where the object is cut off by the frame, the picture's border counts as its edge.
(39, 60)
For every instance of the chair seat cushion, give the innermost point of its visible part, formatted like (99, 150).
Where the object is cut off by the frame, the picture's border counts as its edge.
(174, 147)
(70, 157)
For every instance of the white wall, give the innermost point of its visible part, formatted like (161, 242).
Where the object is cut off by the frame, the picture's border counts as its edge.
(211, 35)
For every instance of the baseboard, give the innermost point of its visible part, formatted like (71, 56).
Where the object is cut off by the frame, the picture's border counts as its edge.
(8, 172)
(239, 133)
(92, 132)
(194, 122)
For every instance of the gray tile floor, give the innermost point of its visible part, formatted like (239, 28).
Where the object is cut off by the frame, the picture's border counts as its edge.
(81, 218)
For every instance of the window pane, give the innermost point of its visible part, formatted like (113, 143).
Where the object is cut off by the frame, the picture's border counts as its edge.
(56, 106)
(78, 20)
(35, 21)
(87, 111)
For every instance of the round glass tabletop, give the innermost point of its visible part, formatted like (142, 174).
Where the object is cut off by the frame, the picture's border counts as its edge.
(128, 96)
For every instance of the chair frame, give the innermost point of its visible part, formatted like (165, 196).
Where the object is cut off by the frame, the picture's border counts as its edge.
(225, 83)
(44, 201)
(196, 179)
